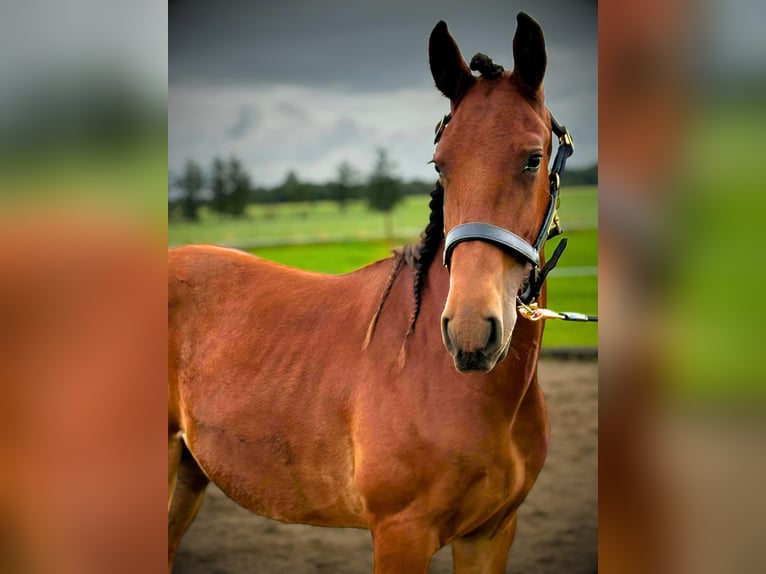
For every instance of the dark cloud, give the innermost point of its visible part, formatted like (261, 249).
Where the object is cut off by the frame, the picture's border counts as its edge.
(235, 68)
(246, 121)
(353, 44)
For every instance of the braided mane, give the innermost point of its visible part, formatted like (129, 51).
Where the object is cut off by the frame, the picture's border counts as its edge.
(419, 257)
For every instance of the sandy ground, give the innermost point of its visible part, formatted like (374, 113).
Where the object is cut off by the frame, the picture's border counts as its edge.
(557, 525)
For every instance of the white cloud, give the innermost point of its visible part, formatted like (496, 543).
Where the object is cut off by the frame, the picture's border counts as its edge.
(308, 129)
(312, 129)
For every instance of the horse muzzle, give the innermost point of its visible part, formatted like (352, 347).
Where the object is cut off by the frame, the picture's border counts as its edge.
(476, 343)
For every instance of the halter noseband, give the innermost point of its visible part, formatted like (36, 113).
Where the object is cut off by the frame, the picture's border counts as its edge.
(480, 231)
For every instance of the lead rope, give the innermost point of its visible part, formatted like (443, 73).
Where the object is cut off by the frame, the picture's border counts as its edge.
(535, 313)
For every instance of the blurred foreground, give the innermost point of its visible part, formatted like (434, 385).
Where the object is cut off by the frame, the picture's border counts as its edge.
(82, 272)
(682, 396)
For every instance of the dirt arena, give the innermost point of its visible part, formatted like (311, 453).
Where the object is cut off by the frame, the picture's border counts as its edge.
(557, 525)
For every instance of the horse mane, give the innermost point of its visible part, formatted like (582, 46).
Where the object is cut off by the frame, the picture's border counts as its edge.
(419, 257)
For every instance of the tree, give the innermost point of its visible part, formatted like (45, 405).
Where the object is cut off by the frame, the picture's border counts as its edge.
(191, 182)
(240, 188)
(384, 190)
(296, 191)
(231, 187)
(218, 185)
(343, 187)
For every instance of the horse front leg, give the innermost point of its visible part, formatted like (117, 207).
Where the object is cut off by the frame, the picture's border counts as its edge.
(189, 489)
(485, 553)
(402, 543)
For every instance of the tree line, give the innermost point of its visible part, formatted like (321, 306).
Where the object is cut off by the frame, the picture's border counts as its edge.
(227, 188)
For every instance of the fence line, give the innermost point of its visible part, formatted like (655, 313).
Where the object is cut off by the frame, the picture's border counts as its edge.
(573, 271)
(406, 235)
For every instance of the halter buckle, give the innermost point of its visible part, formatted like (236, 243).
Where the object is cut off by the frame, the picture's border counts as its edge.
(555, 229)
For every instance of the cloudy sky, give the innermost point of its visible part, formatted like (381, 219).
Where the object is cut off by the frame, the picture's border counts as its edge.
(306, 84)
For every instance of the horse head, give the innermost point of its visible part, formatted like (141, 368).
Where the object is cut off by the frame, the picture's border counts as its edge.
(492, 161)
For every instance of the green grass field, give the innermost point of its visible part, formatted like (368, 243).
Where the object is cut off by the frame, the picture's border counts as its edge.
(324, 222)
(321, 238)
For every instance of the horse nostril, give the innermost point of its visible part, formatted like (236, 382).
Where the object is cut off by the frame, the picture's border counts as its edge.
(493, 340)
(445, 334)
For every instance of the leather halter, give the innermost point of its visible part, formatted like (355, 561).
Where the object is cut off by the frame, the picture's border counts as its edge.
(508, 240)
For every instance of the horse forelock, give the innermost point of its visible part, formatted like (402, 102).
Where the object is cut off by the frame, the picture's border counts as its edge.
(486, 67)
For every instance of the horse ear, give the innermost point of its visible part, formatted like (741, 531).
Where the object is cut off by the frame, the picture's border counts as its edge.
(448, 68)
(529, 57)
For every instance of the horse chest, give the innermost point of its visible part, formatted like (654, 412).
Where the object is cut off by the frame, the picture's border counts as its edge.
(457, 485)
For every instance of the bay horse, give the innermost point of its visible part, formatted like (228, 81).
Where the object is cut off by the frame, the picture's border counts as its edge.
(330, 400)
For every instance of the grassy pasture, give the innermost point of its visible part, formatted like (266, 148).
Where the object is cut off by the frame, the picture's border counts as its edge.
(321, 222)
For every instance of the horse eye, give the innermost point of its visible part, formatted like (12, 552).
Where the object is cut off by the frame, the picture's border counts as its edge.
(533, 164)
(436, 167)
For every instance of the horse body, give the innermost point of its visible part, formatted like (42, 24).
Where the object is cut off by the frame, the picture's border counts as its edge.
(315, 399)
(319, 431)
(272, 423)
